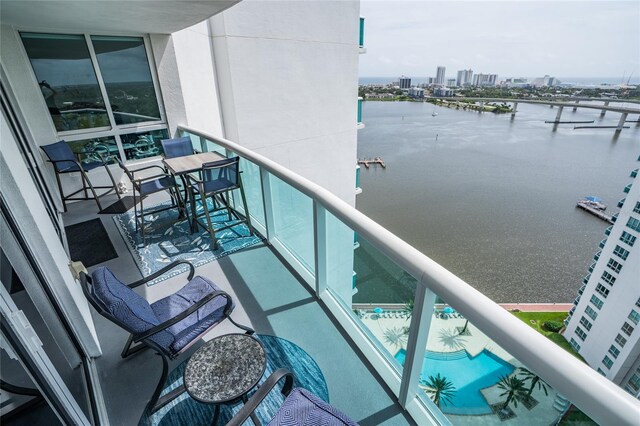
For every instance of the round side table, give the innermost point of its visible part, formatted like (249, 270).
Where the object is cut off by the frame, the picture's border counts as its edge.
(224, 370)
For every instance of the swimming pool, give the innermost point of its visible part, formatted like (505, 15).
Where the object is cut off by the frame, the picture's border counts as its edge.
(468, 374)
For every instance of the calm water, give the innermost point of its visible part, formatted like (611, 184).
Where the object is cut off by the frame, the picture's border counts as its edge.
(491, 199)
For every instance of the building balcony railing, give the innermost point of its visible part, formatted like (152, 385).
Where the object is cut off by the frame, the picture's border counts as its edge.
(602, 243)
(361, 33)
(621, 203)
(614, 217)
(627, 189)
(586, 279)
(597, 255)
(608, 230)
(358, 187)
(593, 265)
(359, 111)
(313, 232)
(634, 173)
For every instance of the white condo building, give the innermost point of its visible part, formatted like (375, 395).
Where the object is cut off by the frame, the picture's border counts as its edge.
(603, 326)
(270, 87)
(440, 77)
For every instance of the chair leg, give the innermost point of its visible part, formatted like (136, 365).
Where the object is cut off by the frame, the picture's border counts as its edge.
(248, 330)
(93, 191)
(128, 351)
(194, 219)
(151, 405)
(209, 224)
(141, 220)
(113, 181)
(246, 210)
(64, 201)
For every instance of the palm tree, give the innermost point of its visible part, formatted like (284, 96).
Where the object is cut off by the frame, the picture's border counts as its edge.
(514, 389)
(534, 380)
(439, 389)
(395, 336)
(408, 308)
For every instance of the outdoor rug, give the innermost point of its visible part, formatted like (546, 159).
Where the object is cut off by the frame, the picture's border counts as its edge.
(122, 205)
(89, 242)
(168, 241)
(281, 353)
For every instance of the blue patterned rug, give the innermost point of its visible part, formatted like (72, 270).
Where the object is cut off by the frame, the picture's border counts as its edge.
(167, 241)
(281, 353)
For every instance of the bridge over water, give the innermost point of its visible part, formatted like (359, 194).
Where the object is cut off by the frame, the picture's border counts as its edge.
(624, 111)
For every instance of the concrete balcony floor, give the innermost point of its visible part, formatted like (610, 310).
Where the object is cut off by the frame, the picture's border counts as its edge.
(271, 298)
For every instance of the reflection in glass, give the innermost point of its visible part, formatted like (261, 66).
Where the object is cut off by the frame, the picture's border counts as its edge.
(95, 149)
(143, 145)
(67, 80)
(127, 78)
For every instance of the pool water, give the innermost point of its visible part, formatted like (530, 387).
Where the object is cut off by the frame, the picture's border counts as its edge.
(467, 374)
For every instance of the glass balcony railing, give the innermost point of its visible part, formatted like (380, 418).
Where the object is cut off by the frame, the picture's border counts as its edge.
(359, 110)
(593, 265)
(586, 279)
(602, 243)
(597, 255)
(614, 217)
(627, 189)
(621, 203)
(634, 173)
(357, 176)
(361, 33)
(420, 327)
(608, 230)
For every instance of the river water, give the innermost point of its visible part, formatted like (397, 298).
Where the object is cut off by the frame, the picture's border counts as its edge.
(493, 199)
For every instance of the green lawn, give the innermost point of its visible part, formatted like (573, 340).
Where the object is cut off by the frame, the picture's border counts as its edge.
(538, 318)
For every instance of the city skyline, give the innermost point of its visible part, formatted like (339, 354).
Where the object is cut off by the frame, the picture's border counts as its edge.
(523, 39)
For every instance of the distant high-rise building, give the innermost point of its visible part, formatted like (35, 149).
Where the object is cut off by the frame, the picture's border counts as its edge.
(416, 92)
(451, 82)
(485, 79)
(602, 325)
(431, 80)
(440, 75)
(464, 77)
(405, 82)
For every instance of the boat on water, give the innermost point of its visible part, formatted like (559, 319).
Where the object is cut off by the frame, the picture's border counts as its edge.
(434, 114)
(593, 202)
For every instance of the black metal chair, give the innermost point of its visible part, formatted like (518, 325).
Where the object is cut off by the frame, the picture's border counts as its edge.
(217, 180)
(149, 185)
(300, 408)
(65, 161)
(169, 326)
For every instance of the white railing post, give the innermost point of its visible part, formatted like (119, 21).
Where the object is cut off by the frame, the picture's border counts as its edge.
(320, 246)
(203, 145)
(267, 203)
(423, 304)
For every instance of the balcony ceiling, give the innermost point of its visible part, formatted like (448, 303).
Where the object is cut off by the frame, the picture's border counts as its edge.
(113, 16)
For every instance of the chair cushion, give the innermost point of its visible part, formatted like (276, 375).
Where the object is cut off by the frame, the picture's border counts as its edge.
(195, 324)
(131, 310)
(156, 185)
(303, 408)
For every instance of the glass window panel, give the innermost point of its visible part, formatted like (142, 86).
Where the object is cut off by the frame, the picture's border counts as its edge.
(293, 221)
(95, 149)
(143, 145)
(68, 82)
(125, 70)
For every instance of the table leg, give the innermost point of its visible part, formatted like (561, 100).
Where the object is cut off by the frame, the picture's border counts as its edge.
(216, 414)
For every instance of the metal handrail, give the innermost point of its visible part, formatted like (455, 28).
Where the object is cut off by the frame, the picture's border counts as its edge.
(600, 398)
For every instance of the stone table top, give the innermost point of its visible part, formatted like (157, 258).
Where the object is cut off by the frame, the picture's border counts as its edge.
(225, 368)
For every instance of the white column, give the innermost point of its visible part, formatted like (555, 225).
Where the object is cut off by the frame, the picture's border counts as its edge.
(576, 108)
(559, 114)
(623, 118)
(515, 109)
(604, 111)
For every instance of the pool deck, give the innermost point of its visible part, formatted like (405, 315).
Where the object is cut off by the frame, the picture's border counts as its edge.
(444, 337)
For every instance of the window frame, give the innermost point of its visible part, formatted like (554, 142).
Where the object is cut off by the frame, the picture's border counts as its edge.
(114, 130)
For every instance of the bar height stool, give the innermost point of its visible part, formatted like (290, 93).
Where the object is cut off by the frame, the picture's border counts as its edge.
(217, 180)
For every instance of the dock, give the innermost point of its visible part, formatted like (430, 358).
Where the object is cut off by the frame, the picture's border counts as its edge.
(600, 127)
(569, 122)
(597, 213)
(376, 161)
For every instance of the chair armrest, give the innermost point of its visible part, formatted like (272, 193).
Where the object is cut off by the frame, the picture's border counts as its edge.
(182, 315)
(250, 406)
(192, 271)
(76, 162)
(149, 178)
(149, 167)
(192, 179)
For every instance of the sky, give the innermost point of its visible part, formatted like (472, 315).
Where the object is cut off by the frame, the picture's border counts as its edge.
(508, 38)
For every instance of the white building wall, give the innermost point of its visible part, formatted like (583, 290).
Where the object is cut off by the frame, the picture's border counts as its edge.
(623, 296)
(287, 74)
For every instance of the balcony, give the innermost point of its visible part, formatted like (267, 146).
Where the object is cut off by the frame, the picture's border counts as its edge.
(614, 217)
(597, 255)
(627, 189)
(586, 279)
(608, 230)
(621, 203)
(358, 188)
(297, 284)
(634, 173)
(602, 243)
(359, 120)
(593, 265)
(361, 36)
